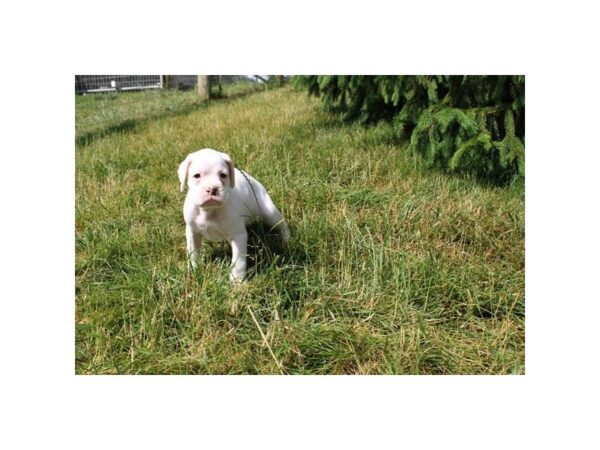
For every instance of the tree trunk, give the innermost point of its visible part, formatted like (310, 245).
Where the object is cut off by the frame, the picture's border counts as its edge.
(204, 87)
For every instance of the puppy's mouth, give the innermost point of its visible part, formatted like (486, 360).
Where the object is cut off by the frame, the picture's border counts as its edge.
(212, 200)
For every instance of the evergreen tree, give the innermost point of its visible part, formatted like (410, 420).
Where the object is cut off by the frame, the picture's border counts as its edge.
(461, 123)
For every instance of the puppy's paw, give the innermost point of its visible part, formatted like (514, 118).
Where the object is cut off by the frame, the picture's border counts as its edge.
(236, 276)
(285, 232)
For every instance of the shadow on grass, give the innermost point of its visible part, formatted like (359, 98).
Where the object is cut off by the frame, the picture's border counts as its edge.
(132, 125)
(266, 251)
(386, 133)
(276, 271)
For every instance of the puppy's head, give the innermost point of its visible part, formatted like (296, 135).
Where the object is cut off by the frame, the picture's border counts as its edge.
(209, 176)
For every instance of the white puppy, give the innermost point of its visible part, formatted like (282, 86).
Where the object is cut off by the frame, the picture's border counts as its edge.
(220, 202)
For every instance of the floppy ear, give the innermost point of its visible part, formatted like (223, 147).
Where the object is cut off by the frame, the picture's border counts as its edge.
(227, 159)
(182, 171)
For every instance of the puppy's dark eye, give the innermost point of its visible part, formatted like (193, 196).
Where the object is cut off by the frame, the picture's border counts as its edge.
(197, 175)
(223, 175)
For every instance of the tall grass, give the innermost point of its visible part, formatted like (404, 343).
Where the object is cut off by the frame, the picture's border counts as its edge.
(391, 269)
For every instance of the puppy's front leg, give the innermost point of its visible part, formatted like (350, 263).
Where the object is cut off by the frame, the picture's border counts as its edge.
(239, 249)
(193, 245)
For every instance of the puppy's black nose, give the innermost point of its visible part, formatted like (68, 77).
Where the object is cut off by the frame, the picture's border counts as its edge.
(213, 191)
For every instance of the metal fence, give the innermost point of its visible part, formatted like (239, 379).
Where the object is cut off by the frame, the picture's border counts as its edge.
(114, 83)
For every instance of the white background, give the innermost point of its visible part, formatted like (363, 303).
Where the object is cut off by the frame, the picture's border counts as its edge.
(44, 405)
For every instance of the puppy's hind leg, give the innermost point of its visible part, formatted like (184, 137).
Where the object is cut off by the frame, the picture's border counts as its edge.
(273, 218)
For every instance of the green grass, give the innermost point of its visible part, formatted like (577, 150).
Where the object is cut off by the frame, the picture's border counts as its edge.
(99, 115)
(391, 269)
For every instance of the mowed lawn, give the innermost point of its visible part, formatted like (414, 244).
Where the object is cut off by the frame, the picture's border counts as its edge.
(391, 268)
